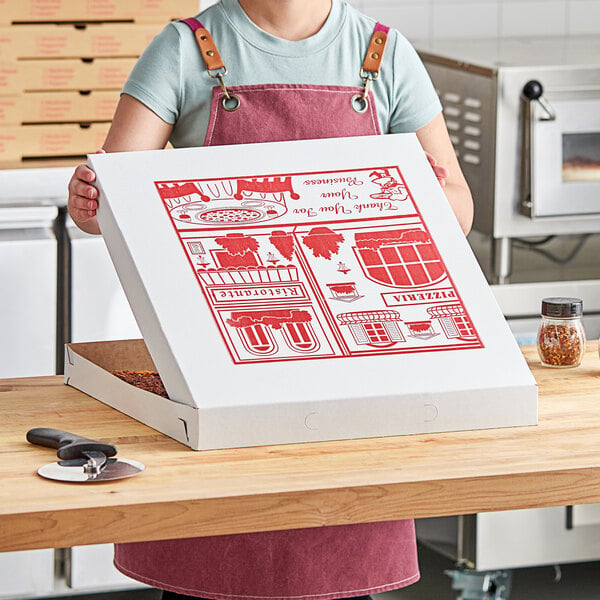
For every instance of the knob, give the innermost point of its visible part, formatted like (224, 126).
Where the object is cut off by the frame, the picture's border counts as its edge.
(533, 90)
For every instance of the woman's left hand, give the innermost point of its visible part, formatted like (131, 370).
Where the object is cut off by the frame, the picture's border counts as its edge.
(435, 140)
(440, 172)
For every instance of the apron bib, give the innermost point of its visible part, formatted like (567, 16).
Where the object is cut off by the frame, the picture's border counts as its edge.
(318, 563)
(283, 112)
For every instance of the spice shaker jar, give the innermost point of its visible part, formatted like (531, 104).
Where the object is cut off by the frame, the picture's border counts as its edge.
(561, 337)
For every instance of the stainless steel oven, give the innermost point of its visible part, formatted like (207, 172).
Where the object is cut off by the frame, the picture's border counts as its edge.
(524, 117)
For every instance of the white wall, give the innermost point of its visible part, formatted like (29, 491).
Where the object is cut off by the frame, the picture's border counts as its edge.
(433, 19)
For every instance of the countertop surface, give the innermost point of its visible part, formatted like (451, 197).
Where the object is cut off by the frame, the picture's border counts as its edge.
(183, 493)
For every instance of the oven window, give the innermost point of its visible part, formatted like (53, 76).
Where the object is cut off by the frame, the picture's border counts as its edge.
(581, 157)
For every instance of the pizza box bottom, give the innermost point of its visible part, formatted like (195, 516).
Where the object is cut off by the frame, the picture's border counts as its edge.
(89, 366)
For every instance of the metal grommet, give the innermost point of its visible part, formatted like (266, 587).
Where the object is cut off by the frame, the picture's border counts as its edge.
(359, 103)
(210, 52)
(374, 56)
(230, 103)
(379, 40)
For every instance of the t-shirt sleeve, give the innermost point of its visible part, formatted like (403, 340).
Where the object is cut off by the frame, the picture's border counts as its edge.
(414, 99)
(156, 77)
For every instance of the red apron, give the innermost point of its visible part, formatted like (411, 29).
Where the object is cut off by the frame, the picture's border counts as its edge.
(318, 563)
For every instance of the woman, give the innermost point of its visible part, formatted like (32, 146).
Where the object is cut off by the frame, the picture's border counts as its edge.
(290, 69)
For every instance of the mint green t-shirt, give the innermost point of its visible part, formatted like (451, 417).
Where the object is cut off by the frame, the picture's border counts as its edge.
(170, 77)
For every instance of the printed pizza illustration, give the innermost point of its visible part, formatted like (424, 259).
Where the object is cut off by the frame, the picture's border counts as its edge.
(230, 215)
(226, 212)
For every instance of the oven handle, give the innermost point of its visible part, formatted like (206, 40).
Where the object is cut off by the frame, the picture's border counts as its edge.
(533, 91)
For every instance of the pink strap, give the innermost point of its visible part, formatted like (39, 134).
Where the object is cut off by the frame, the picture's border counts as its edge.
(192, 23)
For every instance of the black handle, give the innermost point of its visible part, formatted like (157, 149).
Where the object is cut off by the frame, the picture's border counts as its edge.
(533, 90)
(69, 445)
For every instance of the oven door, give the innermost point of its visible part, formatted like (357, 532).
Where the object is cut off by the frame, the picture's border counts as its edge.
(564, 155)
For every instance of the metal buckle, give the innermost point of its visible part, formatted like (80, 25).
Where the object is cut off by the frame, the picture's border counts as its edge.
(372, 75)
(221, 73)
(360, 102)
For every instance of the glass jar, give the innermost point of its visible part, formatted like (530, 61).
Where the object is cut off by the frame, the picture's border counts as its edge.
(561, 337)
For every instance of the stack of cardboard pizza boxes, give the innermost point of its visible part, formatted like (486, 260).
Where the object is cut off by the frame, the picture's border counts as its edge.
(62, 65)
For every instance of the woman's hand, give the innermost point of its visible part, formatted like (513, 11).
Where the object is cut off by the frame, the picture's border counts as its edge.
(134, 127)
(436, 142)
(440, 172)
(83, 199)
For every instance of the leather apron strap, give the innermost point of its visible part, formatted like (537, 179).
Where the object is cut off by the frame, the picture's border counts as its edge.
(208, 49)
(371, 65)
(374, 55)
(215, 66)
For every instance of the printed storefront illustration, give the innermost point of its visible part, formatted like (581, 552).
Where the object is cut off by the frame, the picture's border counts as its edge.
(317, 265)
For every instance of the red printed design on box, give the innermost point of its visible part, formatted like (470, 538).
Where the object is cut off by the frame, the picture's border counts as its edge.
(281, 258)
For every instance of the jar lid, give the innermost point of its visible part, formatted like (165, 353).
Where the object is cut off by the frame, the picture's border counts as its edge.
(562, 308)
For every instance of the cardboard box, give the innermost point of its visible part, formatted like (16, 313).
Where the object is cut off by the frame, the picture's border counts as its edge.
(304, 291)
(45, 141)
(15, 11)
(58, 107)
(90, 366)
(64, 74)
(41, 163)
(69, 41)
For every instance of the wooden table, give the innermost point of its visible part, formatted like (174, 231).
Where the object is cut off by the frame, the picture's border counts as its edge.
(184, 493)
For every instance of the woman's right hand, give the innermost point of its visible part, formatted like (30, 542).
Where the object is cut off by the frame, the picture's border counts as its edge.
(83, 199)
(134, 127)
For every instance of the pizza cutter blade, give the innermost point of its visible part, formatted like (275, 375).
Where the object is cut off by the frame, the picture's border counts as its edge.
(75, 470)
(83, 460)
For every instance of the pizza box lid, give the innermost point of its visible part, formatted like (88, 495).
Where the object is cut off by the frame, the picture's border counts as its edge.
(306, 272)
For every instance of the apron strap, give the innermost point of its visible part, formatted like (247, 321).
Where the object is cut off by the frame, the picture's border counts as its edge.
(374, 55)
(208, 49)
(215, 66)
(370, 67)
(213, 61)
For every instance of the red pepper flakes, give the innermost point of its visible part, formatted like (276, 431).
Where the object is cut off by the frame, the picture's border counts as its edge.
(560, 345)
(145, 380)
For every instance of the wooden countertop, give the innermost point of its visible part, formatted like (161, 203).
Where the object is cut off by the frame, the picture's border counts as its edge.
(184, 493)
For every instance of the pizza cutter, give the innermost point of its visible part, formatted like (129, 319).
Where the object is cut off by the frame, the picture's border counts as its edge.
(82, 460)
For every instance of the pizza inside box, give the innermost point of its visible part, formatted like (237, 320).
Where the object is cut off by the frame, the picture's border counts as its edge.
(299, 291)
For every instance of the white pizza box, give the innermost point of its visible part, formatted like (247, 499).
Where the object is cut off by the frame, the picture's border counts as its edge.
(303, 291)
